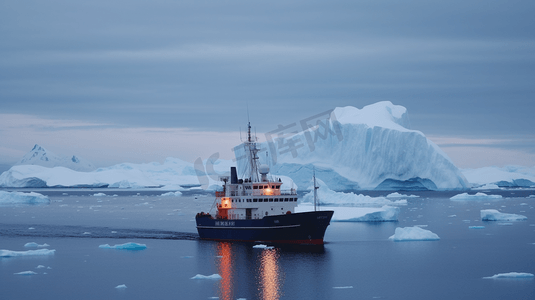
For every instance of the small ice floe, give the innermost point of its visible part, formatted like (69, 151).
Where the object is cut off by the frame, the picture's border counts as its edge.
(505, 224)
(171, 194)
(65, 194)
(99, 195)
(31, 228)
(114, 231)
(126, 246)
(26, 273)
(476, 227)
(477, 196)
(262, 246)
(494, 215)
(413, 234)
(35, 245)
(144, 203)
(531, 196)
(212, 277)
(343, 287)
(9, 253)
(121, 286)
(510, 275)
(40, 267)
(398, 195)
(452, 216)
(86, 233)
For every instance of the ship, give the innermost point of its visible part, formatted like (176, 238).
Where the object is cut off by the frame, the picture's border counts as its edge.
(259, 208)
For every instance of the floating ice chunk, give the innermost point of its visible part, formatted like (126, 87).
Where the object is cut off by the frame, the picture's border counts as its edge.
(86, 233)
(476, 227)
(413, 234)
(126, 246)
(477, 196)
(121, 286)
(452, 216)
(330, 197)
(171, 194)
(357, 214)
(25, 273)
(262, 246)
(384, 214)
(398, 195)
(343, 287)
(99, 195)
(9, 198)
(40, 267)
(35, 245)
(31, 228)
(531, 196)
(213, 277)
(510, 275)
(9, 253)
(494, 215)
(488, 186)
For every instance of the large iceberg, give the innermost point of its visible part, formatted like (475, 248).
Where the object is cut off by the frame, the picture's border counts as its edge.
(368, 148)
(506, 177)
(494, 215)
(9, 198)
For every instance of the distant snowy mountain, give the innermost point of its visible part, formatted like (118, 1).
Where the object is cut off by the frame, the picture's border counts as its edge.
(368, 148)
(39, 156)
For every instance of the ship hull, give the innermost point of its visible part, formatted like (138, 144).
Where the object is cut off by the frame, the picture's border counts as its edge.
(296, 228)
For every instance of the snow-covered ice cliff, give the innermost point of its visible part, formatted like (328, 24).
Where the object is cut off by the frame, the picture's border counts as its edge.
(368, 148)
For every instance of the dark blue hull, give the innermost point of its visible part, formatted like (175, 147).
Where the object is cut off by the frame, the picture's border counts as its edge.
(297, 228)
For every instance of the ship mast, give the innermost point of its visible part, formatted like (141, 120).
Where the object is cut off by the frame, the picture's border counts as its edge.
(315, 190)
(252, 152)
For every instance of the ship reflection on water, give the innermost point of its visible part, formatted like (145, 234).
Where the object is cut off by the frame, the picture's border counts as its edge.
(269, 274)
(264, 270)
(224, 251)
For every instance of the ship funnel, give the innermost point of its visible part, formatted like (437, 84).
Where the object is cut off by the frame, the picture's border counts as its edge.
(233, 175)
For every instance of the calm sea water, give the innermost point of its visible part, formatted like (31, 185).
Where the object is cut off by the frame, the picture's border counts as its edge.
(358, 260)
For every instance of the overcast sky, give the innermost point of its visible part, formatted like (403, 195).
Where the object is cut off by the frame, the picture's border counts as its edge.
(138, 81)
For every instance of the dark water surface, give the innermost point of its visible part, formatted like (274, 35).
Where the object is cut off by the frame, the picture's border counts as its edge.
(358, 260)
